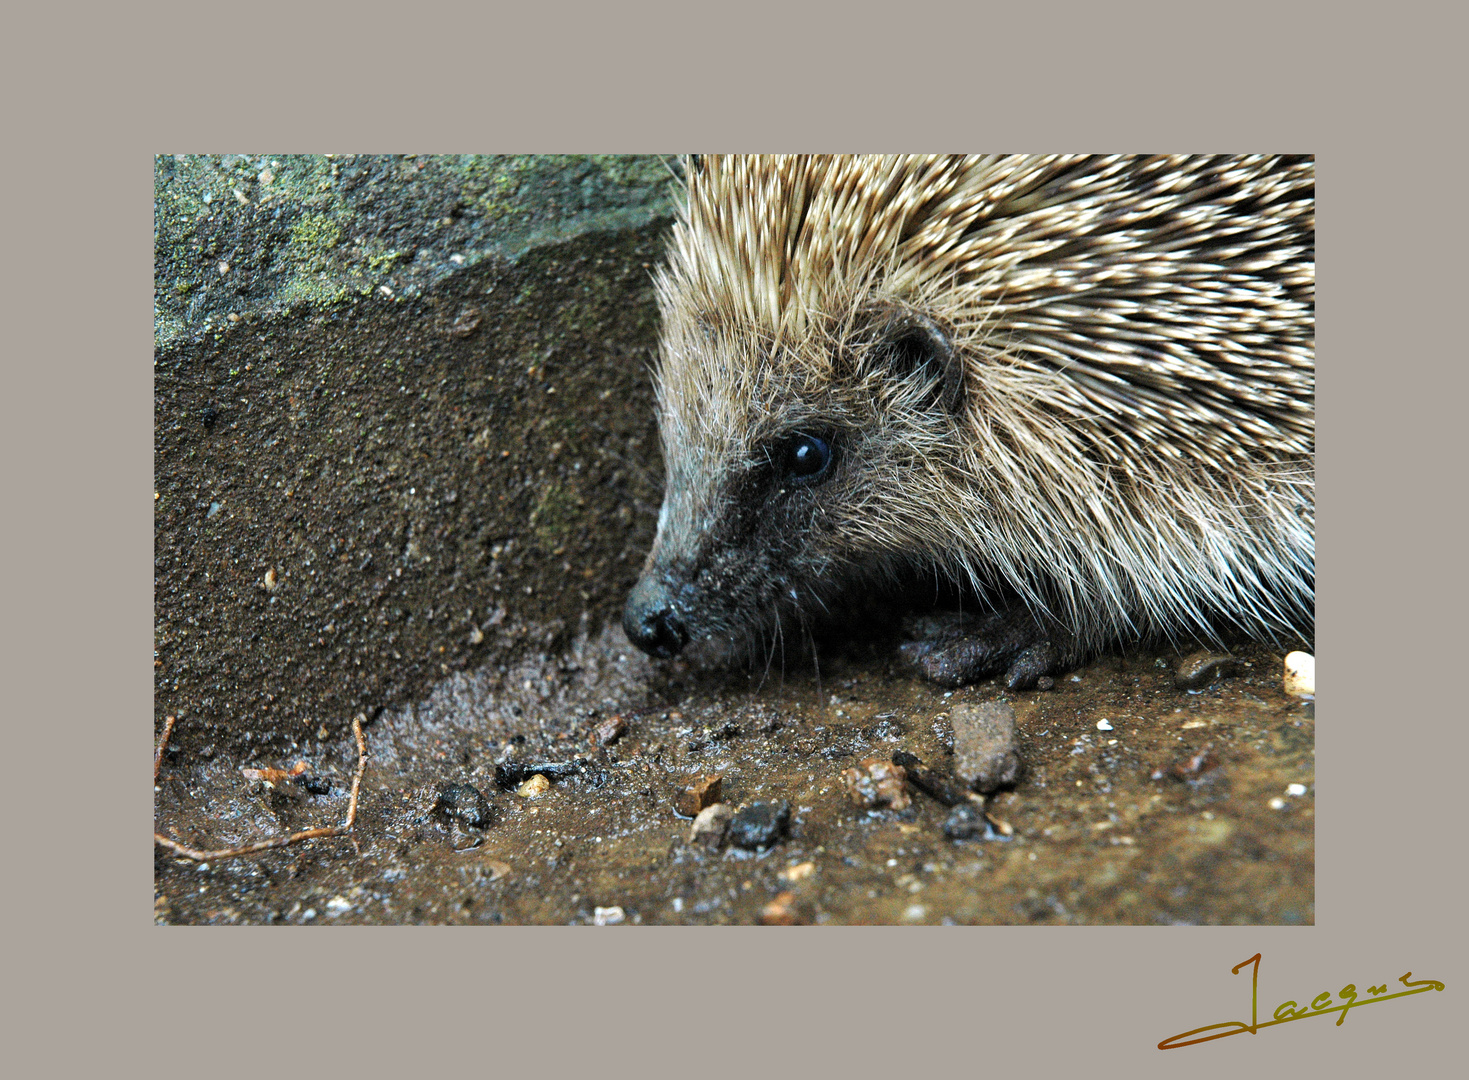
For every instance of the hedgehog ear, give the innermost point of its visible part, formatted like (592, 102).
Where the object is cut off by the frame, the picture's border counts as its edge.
(915, 347)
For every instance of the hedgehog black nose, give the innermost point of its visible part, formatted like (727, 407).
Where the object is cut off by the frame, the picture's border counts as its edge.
(649, 621)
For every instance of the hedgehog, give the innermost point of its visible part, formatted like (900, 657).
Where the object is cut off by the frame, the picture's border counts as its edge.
(1077, 390)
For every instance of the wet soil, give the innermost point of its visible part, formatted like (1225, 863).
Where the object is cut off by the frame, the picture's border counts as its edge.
(1139, 802)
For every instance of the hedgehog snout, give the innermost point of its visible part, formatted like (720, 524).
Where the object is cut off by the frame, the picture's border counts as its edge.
(649, 619)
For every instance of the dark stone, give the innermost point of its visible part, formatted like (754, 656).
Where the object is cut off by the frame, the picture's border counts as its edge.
(511, 775)
(1202, 668)
(967, 822)
(465, 804)
(759, 825)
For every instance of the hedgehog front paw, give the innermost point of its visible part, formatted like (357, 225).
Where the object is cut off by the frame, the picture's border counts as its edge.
(956, 650)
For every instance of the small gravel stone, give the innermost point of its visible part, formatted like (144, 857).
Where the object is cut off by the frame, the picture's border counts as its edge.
(612, 729)
(781, 911)
(703, 792)
(709, 827)
(984, 745)
(608, 916)
(967, 822)
(759, 825)
(1201, 668)
(1300, 674)
(537, 785)
(875, 783)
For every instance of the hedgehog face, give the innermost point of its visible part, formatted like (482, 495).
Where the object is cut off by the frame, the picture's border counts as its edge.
(788, 464)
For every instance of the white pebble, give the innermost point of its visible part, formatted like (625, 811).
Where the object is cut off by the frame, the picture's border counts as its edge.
(1104, 724)
(1277, 803)
(1300, 674)
(1295, 789)
(338, 905)
(608, 916)
(914, 912)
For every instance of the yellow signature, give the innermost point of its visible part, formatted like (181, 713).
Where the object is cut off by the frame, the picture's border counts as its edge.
(1321, 1005)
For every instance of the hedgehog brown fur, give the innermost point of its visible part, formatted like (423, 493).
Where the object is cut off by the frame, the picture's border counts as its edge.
(1082, 383)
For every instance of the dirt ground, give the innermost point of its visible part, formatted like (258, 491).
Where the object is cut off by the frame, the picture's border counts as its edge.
(1139, 802)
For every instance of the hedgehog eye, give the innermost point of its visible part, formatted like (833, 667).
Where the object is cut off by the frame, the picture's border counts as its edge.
(807, 458)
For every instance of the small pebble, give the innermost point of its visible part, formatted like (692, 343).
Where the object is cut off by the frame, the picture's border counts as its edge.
(702, 793)
(537, 785)
(1295, 789)
(1300, 674)
(781, 911)
(759, 825)
(875, 783)
(1201, 668)
(476, 636)
(797, 872)
(915, 912)
(709, 827)
(967, 821)
(1200, 770)
(614, 728)
(338, 905)
(984, 745)
(1104, 724)
(1277, 803)
(608, 916)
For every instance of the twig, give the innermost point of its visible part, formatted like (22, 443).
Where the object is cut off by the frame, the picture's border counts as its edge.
(158, 754)
(280, 841)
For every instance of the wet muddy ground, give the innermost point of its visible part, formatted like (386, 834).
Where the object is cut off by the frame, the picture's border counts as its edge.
(1139, 802)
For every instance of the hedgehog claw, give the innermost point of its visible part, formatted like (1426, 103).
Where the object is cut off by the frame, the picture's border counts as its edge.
(1038, 660)
(956, 650)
